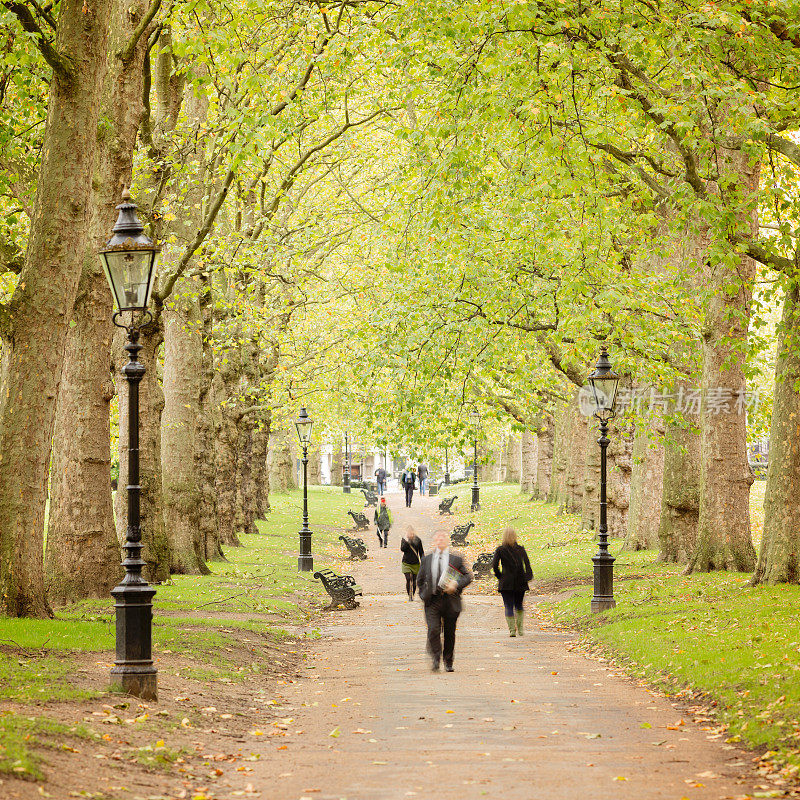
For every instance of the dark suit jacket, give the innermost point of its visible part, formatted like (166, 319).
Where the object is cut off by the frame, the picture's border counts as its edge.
(427, 590)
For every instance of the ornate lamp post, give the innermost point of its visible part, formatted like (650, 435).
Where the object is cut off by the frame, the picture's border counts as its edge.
(347, 469)
(604, 382)
(446, 468)
(475, 419)
(129, 260)
(304, 423)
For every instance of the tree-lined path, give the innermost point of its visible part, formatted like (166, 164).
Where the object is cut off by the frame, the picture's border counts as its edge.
(519, 719)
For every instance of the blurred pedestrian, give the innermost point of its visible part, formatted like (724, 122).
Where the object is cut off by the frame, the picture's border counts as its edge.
(422, 475)
(380, 479)
(513, 571)
(407, 479)
(413, 552)
(442, 577)
(383, 519)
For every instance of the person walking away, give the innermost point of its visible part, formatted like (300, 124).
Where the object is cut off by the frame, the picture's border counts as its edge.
(408, 477)
(413, 553)
(383, 519)
(442, 577)
(513, 571)
(422, 474)
(380, 479)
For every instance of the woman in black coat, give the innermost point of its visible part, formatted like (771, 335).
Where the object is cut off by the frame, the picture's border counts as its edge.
(513, 570)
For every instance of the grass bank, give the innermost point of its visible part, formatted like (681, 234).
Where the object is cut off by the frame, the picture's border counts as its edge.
(223, 627)
(710, 633)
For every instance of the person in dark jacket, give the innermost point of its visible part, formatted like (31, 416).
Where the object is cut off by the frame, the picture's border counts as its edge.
(422, 476)
(513, 571)
(380, 479)
(442, 577)
(408, 479)
(413, 551)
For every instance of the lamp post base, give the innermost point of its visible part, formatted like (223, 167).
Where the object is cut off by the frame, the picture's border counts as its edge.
(476, 498)
(305, 563)
(144, 684)
(602, 604)
(603, 597)
(447, 479)
(133, 671)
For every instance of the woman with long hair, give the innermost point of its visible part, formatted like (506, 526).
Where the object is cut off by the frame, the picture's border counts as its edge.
(413, 551)
(513, 571)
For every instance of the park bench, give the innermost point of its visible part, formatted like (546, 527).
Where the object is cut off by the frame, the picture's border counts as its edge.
(341, 588)
(445, 507)
(458, 538)
(483, 566)
(356, 546)
(359, 520)
(370, 497)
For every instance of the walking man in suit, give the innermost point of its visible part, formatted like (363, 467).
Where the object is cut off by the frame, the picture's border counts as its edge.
(442, 578)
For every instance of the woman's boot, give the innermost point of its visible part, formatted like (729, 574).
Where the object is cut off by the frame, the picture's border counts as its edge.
(520, 616)
(512, 626)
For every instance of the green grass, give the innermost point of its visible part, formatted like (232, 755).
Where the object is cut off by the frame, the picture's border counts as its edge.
(19, 735)
(259, 582)
(558, 548)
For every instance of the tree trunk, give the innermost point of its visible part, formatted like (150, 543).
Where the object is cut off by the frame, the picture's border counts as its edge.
(336, 465)
(724, 536)
(245, 518)
(528, 460)
(646, 485)
(513, 459)
(183, 365)
(315, 467)
(209, 427)
(225, 452)
(620, 464)
(82, 558)
(41, 307)
(156, 550)
(544, 459)
(259, 471)
(561, 431)
(680, 499)
(281, 463)
(779, 557)
(590, 499)
(576, 465)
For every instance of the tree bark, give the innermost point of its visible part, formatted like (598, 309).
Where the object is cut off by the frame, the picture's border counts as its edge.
(41, 306)
(82, 558)
(647, 477)
(260, 472)
(779, 556)
(244, 520)
(281, 462)
(528, 462)
(620, 464)
(225, 451)
(561, 432)
(576, 461)
(156, 550)
(544, 459)
(337, 462)
(590, 498)
(183, 365)
(724, 535)
(680, 499)
(513, 459)
(209, 427)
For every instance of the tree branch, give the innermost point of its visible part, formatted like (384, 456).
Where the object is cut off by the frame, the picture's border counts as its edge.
(61, 65)
(126, 54)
